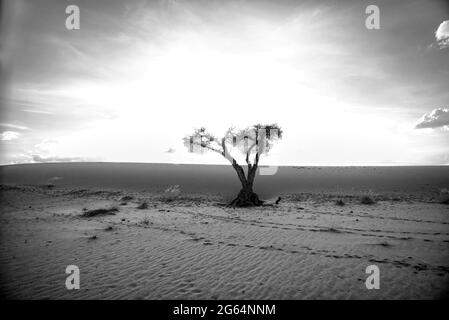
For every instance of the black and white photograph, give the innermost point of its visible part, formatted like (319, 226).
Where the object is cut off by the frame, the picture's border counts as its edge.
(234, 150)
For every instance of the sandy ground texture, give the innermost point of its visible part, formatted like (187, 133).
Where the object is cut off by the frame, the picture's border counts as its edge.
(190, 246)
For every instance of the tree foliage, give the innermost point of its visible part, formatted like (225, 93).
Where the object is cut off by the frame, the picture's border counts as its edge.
(255, 140)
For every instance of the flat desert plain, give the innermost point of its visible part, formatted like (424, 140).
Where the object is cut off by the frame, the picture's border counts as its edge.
(160, 231)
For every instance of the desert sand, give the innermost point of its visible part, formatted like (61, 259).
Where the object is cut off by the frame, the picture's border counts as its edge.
(166, 242)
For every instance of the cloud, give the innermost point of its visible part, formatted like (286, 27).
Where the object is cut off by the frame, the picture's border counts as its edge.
(14, 126)
(46, 146)
(9, 135)
(436, 118)
(442, 34)
(45, 152)
(38, 158)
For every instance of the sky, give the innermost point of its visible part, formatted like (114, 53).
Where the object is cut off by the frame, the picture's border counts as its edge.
(140, 75)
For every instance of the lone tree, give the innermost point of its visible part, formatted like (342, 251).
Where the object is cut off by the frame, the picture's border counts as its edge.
(252, 142)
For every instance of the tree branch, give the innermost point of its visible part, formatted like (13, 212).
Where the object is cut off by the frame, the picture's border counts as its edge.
(206, 146)
(247, 162)
(240, 173)
(225, 152)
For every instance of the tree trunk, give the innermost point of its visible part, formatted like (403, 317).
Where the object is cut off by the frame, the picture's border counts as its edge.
(246, 197)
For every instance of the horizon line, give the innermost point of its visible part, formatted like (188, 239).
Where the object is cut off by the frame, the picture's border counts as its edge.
(214, 164)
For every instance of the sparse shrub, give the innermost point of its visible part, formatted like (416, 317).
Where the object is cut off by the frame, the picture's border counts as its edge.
(340, 203)
(298, 197)
(52, 180)
(166, 200)
(175, 189)
(171, 193)
(100, 212)
(444, 196)
(145, 221)
(367, 199)
(333, 229)
(126, 198)
(385, 244)
(143, 205)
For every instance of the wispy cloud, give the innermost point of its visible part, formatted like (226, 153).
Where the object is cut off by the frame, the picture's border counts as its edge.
(14, 126)
(436, 118)
(38, 158)
(9, 135)
(37, 111)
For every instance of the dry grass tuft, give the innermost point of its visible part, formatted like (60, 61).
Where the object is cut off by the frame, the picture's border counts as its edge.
(143, 205)
(367, 199)
(100, 212)
(444, 196)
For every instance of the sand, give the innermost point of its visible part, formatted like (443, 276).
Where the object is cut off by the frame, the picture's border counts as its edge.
(188, 245)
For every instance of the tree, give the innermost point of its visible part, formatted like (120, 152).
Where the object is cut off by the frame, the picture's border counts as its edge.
(252, 142)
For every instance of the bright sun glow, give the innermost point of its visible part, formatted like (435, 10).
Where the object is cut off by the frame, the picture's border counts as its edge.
(218, 89)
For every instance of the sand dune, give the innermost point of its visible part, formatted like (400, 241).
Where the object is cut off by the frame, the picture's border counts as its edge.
(221, 179)
(190, 246)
